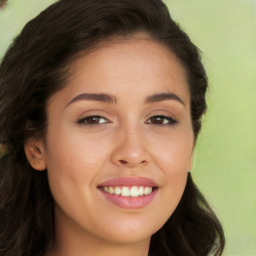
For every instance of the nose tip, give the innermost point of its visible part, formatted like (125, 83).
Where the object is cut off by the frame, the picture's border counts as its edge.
(130, 151)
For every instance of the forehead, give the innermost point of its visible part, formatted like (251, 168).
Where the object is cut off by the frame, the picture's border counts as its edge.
(126, 64)
(130, 48)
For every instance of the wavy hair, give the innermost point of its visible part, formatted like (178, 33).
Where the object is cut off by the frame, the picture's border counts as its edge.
(34, 68)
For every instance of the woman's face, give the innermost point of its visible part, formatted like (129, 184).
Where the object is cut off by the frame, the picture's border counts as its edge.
(121, 125)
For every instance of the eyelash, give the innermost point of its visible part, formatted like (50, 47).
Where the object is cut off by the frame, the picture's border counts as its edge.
(86, 120)
(167, 120)
(94, 120)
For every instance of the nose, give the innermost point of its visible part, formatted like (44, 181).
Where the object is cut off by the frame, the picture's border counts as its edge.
(130, 149)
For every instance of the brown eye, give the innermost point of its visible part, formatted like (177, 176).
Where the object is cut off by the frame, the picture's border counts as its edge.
(157, 120)
(162, 120)
(92, 120)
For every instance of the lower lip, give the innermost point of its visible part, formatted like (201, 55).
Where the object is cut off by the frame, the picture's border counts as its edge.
(128, 202)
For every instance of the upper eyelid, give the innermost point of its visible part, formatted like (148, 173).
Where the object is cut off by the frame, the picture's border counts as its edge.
(164, 115)
(93, 112)
(169, 112)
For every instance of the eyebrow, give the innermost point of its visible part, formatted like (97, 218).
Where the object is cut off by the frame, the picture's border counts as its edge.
(102, 97)
(107, 98)
(164, 96)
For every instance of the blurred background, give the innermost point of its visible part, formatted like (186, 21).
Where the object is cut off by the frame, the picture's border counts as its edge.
(225, 154)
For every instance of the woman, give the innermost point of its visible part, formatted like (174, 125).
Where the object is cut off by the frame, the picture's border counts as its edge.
(101, 104)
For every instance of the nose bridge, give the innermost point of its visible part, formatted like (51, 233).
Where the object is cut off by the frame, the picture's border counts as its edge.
(130, 149)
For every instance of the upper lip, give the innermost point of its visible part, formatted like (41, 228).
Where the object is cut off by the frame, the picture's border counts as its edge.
(129, 181)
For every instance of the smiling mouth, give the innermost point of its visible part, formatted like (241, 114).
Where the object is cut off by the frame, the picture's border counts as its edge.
(131, 191)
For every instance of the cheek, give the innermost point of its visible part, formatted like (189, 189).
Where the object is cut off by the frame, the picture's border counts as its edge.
(173, 153)
(174, 163)
(173, 158)
(174, 167)
(74, 161)
(72, 167)
(74, 151)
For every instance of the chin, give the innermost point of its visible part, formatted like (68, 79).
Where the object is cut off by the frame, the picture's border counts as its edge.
(131, 234)
(130, 238)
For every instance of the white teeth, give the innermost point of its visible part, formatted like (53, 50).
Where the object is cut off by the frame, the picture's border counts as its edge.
(133, 191)
(147, 190)
(141, 191)
(125, 191)
(117, 191)
(111, 190)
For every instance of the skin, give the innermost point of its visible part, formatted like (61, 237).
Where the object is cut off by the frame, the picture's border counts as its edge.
(126, 142)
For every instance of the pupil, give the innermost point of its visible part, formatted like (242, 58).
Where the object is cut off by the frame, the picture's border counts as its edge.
(93, 120)
(157, 120)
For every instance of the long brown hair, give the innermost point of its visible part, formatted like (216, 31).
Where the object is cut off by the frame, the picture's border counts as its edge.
(34, 68)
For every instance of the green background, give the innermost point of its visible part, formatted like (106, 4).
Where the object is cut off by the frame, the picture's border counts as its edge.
(225, 154)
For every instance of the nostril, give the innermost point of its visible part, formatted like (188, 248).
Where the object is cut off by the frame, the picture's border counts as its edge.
(123, 161)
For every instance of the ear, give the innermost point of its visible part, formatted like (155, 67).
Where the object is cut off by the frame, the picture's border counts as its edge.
(35, 153)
